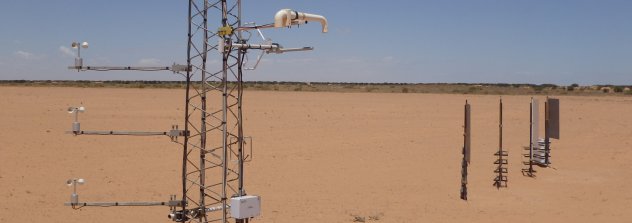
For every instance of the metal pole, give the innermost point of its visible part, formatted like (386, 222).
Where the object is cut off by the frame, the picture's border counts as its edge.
(186, 111)
(464, 163)
(226, 54)
(500, 145)
(546, 132)
(531, 137)
(240, 57)
(240, 133)
(203, 114)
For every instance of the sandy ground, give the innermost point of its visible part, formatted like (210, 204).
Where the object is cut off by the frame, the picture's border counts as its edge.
(318, 157)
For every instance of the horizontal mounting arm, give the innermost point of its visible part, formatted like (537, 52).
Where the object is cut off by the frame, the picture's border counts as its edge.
(256, 46)
(171, 133)
(283, 50)
(135, 133)
(270, 48)
(246, 28)
(174, 203)
(174, 68)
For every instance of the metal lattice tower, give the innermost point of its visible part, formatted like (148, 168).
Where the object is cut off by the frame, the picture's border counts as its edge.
(213, 150)
(213, 138)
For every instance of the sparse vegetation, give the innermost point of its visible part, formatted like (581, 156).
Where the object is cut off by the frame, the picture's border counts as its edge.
(474, 89)
(376, 217)
(439, 88)
(359, 219)
(373, 217)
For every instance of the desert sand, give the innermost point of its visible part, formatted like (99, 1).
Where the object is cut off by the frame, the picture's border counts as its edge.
(319, 157)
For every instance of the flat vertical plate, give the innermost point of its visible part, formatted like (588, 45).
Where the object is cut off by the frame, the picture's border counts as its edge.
(467, 132)
(554, 117)
(535, 120)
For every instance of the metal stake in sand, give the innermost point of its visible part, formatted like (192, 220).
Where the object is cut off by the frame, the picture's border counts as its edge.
(213, 139)
(501, 170)
(533, 139)
(466, 151)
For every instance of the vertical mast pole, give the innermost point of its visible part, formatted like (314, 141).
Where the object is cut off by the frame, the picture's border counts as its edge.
(226, 55)
(203, 115)
(186, 110)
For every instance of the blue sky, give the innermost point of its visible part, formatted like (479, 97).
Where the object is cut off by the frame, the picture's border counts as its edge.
(497, 41)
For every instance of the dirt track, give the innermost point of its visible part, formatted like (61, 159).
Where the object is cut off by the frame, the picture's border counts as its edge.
(319, 157)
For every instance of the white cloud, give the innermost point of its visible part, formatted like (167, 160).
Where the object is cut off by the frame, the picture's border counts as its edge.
(66, 51)
(27, 56)
(149, 62)
(23, 54)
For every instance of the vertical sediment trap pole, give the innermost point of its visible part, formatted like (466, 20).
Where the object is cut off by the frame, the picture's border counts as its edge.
(533, 138)
(531, 135)
(546, 132)
(501, 170)
(466, 151)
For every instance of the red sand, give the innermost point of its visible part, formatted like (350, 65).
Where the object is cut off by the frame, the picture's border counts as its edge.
(318, 157)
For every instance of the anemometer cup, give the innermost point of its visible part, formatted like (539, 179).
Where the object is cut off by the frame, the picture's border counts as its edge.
(77, 45)
(76, 126)
(76, 109)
